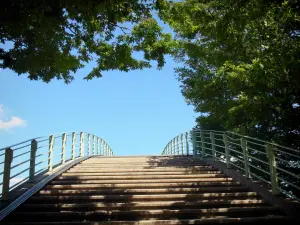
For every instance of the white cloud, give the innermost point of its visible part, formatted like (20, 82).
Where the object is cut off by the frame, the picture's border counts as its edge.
(14, 121)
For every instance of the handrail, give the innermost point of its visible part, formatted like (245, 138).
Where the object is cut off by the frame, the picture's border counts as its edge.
(278, 167)
(62, 148)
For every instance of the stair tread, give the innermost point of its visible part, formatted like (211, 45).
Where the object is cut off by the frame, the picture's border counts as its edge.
(166, 196)
(269, 219)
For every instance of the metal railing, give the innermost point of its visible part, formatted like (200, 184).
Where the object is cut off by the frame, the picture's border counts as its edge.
(276, 167)
(22, 162)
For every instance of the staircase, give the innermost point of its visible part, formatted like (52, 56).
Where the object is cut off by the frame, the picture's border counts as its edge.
(146, 190)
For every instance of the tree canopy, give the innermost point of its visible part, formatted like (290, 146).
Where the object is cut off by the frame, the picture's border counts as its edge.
(53, 39)
(241, 64)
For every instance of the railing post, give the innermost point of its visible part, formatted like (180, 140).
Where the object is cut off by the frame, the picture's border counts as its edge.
(193, 135)
(89, 144)
(245, 154)
(6, 173)
(63, 148)
(187, 143)
(181, 141)
(213, 145)
(81, 144)
(227, 154)
(32, 160)
(202, 143)
(273, 172)
(73, 144)
(50, 154)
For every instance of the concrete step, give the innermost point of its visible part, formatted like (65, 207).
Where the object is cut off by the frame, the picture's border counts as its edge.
(144, 191)
(142, 205)
(219, 220)
(233, 212)
(146, 197)
(140, 181)
(144, 185)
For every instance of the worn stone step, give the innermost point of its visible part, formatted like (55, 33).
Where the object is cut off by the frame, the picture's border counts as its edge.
(140, 181)
(145, 191)
(223, 220)
(144, 185)
(142, 205)
(146, 214)
(152, 197)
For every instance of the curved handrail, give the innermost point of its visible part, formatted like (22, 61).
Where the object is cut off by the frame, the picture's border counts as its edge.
(274, 165)
(24, 161)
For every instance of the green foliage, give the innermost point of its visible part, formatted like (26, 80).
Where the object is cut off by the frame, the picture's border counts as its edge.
(53, 39)
(242, 61)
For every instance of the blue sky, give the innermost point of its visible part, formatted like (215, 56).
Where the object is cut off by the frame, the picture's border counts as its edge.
(137, 112)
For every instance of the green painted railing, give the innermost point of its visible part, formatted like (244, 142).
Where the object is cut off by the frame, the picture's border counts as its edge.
(24, 161)
(276, 167)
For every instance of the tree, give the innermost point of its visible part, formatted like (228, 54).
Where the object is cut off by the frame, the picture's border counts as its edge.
(53, 39)
(241, 64)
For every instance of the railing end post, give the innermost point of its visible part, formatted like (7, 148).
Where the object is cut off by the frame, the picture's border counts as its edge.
(6, 173)
(193, 135)
(272, 167)
(227, 153)
(33, 150)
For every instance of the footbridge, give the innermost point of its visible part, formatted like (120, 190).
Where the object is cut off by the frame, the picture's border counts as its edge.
(200, 177)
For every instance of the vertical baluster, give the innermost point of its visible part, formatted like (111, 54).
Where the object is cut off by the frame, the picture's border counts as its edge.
(187, 143)
(177, 143)
(174, 145)
(193, 135)
(63, 148)
(245, 155)
(73, 145)
(81, 144)
(181, 142)
(202, 143)
(89, 144)
(213, 145)
(94, 145)
(98, 148)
